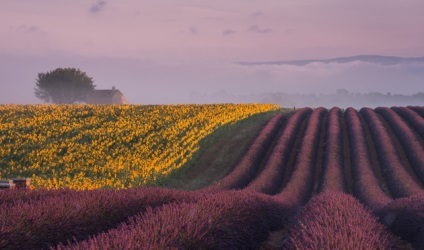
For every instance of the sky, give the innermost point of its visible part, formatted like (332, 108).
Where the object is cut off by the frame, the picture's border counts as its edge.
(163, 51)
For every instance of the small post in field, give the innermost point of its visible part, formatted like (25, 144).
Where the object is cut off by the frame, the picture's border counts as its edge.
(24, 183)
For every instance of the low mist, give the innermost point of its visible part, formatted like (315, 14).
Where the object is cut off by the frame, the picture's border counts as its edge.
(356, 84)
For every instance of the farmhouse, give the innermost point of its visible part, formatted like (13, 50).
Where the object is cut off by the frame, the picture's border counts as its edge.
(106, 96)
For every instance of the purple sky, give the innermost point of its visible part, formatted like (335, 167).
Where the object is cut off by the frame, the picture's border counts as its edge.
(160, 51)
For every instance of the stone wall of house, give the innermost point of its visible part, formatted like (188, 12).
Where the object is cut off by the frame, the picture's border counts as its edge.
(119, 99)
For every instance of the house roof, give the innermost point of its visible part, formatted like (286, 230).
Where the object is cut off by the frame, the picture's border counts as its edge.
(104, 93)
(106, 96)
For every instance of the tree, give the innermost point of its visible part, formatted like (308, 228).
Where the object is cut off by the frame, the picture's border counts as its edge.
(63, 85)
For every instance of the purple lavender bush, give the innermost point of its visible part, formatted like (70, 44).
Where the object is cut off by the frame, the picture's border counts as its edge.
(333, 175)
(334, 220)
(418, 109)
(405, 218)
(225, 220)
(15, 196)
(78, 214)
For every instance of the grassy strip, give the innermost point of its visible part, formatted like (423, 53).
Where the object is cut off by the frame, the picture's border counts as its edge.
(219, 153)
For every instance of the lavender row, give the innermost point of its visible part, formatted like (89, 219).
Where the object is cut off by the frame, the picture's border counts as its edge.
(334, 220)
(17, 196)
(418, 109)
(247, 168)
(365, 186)
(301, 182)
(405, 218)
(270, 179)
(45, 222)
(416, 121)
(225, 220)
(400, 181)
(413, 148)
(333, 176)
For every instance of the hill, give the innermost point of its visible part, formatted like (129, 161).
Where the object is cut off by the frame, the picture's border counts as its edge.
(375, 59)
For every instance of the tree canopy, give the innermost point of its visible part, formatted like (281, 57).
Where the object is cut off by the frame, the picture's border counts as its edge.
(63, 86)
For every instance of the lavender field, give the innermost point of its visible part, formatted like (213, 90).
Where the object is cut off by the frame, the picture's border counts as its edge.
(318, 179)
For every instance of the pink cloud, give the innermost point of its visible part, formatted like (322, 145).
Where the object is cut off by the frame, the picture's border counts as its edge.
(256, 29)
(98, 6)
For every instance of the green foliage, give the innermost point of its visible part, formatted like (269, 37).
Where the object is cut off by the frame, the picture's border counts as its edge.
(63, 86)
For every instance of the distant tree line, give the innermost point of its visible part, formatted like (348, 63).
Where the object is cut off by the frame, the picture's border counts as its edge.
(343, 98)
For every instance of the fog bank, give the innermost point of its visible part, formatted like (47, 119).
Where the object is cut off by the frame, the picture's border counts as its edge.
(153, 82)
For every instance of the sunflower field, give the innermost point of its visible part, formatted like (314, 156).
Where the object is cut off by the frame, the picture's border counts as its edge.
(106, 146)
